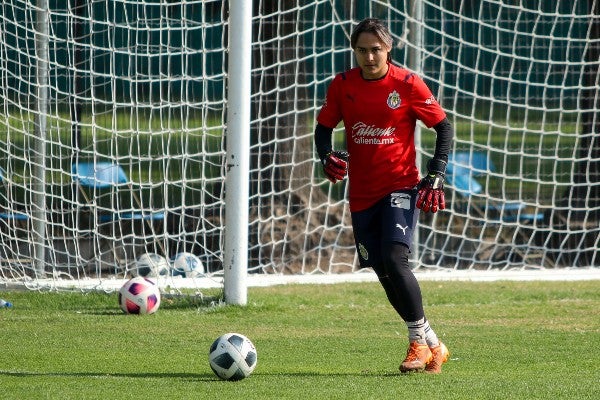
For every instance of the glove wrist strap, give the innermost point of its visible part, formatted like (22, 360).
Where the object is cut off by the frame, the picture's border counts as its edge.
(437, 166)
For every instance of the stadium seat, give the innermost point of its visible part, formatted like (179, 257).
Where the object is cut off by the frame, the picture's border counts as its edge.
(505, 221)
(113, 201)
(102, 178)
(462, 172)
(14, 226)
(6, 211)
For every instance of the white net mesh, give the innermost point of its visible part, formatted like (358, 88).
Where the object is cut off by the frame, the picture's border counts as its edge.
(521, 83)
(142, 85)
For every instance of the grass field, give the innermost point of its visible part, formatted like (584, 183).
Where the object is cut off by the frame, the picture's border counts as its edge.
(535, 340)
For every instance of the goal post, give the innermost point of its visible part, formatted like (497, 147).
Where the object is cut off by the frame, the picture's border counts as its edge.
(211, 121)
(238, 152)
(39, 154)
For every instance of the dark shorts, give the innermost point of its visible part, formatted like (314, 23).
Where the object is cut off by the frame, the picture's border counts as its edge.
(392, 219)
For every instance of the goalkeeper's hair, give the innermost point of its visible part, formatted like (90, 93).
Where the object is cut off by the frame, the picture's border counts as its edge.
(374, 26)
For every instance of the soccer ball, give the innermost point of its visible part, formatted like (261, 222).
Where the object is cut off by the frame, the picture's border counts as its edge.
(139, 295)
(152, 265)
(232, 357)
(187, 265)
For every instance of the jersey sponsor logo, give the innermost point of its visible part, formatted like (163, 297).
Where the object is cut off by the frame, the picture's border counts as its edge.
(393, 100)
(400, 200)
(430, 101)
(370, 134)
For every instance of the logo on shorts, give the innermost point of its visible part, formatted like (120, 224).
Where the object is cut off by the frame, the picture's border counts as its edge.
(404, 228)
(400, 200)
(362, 250)
(393, 100)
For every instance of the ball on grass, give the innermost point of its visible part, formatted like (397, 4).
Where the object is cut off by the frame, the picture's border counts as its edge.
(232, 357)
(139, 295)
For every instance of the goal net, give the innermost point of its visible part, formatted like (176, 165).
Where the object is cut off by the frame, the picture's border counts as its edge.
(113, 133)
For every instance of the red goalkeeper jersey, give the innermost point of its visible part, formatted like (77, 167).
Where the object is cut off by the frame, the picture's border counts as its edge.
(379, 119)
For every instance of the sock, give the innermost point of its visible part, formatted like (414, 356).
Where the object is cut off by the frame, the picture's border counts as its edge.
(430, 336)
(416, 331)
(420, 331)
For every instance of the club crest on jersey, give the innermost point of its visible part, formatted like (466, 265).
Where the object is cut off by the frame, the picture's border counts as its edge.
(393, 100)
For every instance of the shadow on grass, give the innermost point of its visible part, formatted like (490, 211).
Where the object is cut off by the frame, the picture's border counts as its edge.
(200, 376)
(24, 374)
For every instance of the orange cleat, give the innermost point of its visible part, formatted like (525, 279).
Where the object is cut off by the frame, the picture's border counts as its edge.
(439, 355)
(417, 357)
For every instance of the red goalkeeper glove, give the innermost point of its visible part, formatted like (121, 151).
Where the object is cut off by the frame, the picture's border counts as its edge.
(431, 188)
(335, 165)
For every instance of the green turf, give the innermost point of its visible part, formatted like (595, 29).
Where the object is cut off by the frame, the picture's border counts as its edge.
(508, 341)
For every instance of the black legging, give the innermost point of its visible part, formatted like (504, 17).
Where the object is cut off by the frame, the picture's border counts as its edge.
(399, 282)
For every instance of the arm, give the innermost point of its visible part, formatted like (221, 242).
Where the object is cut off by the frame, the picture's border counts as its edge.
(323, 140)
(443, 142)
(335, 163)
(431, 188)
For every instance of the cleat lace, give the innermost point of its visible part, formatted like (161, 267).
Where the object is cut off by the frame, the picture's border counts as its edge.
(415, 350)
(412, 356)
(417, 357)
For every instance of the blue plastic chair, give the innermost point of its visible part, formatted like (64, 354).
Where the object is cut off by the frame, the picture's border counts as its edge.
(10, 215)
(462, 172)
(94, 176)
(100, 175)
(14, 216)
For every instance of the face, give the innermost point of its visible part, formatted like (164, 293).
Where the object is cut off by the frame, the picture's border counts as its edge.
(371, 55)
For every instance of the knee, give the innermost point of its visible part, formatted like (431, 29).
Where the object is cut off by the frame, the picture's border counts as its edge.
(395, 257)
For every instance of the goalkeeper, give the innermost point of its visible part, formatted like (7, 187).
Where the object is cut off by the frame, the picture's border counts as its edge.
(380, 103)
